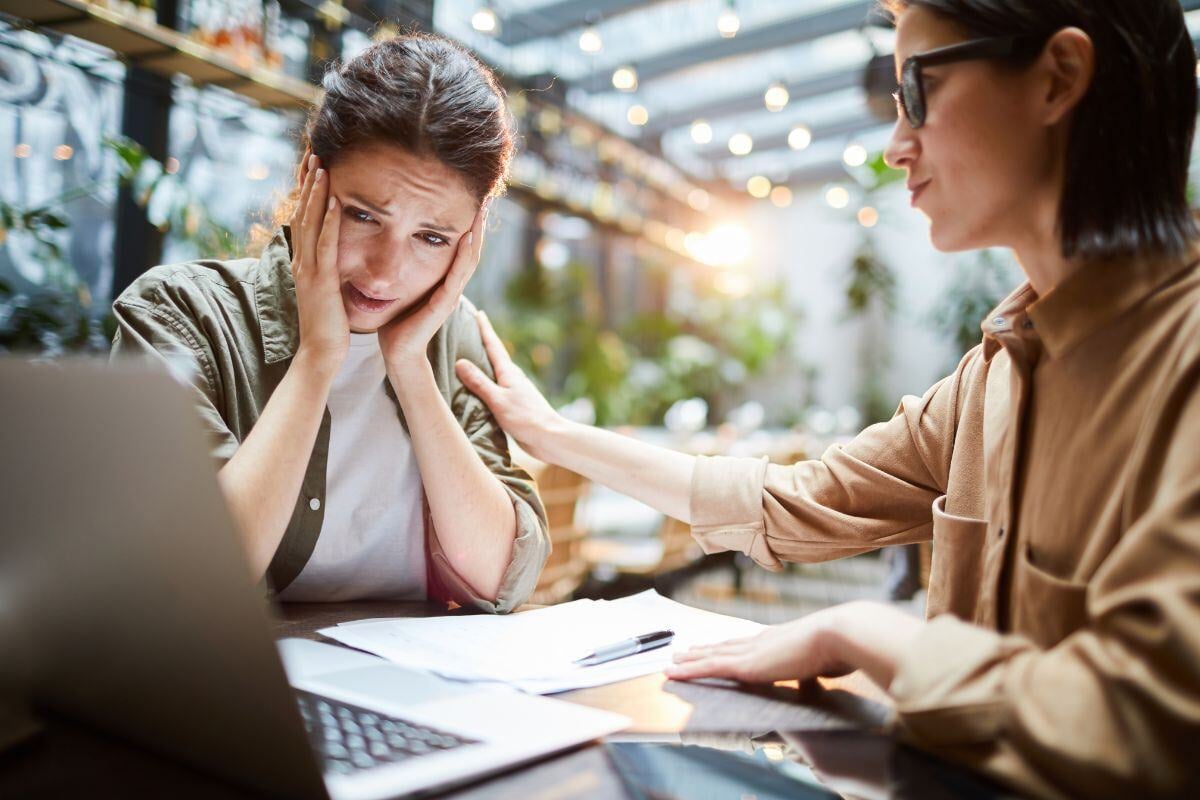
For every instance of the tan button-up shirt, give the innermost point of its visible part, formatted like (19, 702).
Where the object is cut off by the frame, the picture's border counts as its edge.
(1057, 472)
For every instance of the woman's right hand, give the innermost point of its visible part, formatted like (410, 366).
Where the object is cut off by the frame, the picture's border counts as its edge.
(324, 327)
(519, 407)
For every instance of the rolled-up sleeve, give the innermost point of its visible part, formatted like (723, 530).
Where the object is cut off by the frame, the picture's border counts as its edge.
(1113, 710)
(875, 491)
(155, 333)
(531, 547)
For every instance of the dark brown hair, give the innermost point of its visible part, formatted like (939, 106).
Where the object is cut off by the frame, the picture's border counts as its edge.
(1130, 141)
(424, 94)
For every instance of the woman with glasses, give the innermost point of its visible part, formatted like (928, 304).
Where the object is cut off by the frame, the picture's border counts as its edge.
(1056, 471)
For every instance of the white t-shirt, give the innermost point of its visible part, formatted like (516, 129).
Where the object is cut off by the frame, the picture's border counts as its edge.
(372, 542)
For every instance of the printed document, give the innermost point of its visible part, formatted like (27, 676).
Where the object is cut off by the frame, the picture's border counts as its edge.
(535, 651)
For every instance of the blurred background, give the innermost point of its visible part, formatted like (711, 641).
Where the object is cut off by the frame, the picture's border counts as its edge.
(700, 244)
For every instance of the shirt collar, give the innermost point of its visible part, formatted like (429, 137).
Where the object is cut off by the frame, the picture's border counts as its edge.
(1007, 320)
(275, 299)
(1090, 298)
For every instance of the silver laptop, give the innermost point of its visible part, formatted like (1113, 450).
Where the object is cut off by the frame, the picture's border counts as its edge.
(125, 603)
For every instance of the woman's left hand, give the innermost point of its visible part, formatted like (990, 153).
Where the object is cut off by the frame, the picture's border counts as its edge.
(860, 635)
(405, 339)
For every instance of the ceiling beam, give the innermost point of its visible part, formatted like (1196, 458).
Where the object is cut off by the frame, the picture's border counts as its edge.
(781, 34)
(753, 100)
(820, 172)
(559, 17)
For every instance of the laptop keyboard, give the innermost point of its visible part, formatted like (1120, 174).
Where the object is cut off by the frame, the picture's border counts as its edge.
(350, 738)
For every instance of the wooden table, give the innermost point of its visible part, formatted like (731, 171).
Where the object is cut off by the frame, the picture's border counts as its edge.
(69, 761)
(657, 706)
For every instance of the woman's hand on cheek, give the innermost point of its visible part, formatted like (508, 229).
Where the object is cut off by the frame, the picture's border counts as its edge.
(404, 340)
(324, 328)
(861, 635)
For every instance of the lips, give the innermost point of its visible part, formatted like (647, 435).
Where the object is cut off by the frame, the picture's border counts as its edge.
(365, 302)
(917, 190)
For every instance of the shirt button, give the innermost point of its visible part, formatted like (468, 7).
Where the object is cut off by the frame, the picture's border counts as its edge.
(315, 504)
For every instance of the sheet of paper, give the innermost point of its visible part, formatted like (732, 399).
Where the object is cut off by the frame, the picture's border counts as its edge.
(536, 650)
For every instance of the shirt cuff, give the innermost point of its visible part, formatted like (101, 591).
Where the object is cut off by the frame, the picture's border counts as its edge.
(727, 507)
(531, 548)
(945, 689)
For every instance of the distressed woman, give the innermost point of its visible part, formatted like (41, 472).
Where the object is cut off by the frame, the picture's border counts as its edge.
(352, 459)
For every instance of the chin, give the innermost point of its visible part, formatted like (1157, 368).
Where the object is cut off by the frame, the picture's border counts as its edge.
(949, 240)
(360, 322)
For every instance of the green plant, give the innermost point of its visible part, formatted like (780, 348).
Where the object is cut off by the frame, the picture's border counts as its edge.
(871, 298)
(634, 374)
(169, 204)
(980, 282)
(56, 314)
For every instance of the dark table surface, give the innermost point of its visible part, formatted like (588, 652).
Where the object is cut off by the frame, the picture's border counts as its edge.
(705, 739)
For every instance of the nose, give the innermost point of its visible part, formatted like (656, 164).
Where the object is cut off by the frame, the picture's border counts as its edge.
(381, 268)
(903, 148)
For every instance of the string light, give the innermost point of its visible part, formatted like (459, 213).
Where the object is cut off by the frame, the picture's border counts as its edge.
(855, 155)
(781, 196)
(800, 137)
(868, 217)
(625, 79)
(740, 144)
(484, 20)
(590, 41)
(22, 151)
(758, 187)
(702, 132)
(637, 115)
(728, 23)
(699, 199)
(837, 197)
(776, 97)
(63, 152)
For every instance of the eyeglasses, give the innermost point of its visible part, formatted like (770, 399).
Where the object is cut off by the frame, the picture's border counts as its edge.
(910, 97)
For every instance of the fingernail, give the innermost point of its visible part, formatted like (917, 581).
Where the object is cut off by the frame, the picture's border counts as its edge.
(312, 162)
(320, 174)
(332, 203)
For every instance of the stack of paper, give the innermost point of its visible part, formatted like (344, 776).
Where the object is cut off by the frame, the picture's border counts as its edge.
(536, 650)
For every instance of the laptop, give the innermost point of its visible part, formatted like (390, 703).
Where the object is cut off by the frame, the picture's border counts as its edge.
(126, 604)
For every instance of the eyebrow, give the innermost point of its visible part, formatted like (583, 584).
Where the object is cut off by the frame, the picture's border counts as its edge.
(383, 212)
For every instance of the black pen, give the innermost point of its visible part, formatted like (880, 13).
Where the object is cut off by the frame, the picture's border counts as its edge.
(627, 647)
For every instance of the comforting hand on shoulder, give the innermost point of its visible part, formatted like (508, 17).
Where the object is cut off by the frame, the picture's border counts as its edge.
(519, 407)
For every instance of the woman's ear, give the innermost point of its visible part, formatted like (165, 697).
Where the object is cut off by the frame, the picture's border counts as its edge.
(1069, 61)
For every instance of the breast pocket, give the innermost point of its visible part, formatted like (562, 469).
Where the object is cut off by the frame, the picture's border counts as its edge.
(957, 570)
(1046, 608)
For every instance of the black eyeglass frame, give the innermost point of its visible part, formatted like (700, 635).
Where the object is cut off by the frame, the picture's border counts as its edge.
(910, 97)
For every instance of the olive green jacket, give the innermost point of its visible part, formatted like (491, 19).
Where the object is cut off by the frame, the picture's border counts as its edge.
(231, 327)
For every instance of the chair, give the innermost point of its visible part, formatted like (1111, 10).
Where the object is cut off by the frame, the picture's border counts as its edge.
(560, 490)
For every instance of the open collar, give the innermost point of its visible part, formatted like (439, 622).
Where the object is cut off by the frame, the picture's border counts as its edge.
(275, 299)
